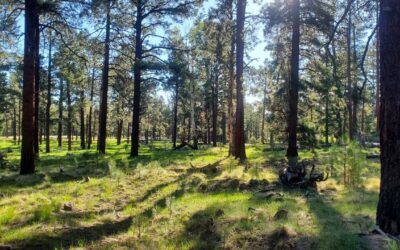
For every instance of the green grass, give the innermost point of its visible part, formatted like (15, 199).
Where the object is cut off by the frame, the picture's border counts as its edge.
(153, 201)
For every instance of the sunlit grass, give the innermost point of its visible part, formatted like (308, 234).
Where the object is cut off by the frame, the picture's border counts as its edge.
(153, 201)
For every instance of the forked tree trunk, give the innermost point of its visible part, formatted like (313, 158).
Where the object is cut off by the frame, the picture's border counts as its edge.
(294, 82)
(28, 93)
(239, 140)
(388, 215)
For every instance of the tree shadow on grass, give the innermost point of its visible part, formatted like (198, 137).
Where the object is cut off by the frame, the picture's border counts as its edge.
(66, 238)
(336, 231)
(201, 230)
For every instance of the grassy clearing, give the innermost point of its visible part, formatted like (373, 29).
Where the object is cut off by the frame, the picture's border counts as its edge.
(154, 202)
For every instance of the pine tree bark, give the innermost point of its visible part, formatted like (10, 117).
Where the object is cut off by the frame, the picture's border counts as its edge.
(89, 137)
(37, 94)
(175, 128)
(48, 104)
(137, 80)
(119, 130)
(60, 115)
(69, 116)
(264, 109)
(231, 80)
(31, 45)
(14, 122)
(82, 118)
(193, 121)
(101, 144)
(350, 104)
(388, 216)
(294, 82)
(239, 137)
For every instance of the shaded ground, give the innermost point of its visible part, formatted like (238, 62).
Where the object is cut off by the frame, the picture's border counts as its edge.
(183, 199)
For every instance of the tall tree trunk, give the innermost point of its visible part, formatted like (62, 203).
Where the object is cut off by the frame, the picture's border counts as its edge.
(215, 89)
(327, 118)
(69, 117)
(388, 216)
(223, 128)
(175, 126)
(350, 104)
(60, 114)
(264, 109)
(101, 144)
(89, 140)
(14, 122)
(137, 80)
(27, 163)
(82, 123)
(239, 139)
(120, 123)
(356, 94)
(128, 132)
(193, 121)
(294, 82)
(231, 80)
(48, 104)
(37, 93)
(377, 97)
(19, 121)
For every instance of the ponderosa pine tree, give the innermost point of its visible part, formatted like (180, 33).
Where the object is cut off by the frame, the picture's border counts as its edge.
(29, 80)
(101, 145)
(239, 150)
(388, 215)
(294, 82)
(48, 104)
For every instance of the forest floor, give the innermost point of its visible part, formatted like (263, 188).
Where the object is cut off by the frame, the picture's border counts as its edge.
(183, 199)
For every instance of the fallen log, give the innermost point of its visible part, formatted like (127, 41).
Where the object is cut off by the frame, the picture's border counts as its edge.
(296, 176)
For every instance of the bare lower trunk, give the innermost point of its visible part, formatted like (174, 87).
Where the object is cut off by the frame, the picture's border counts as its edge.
(60, 115)
(27, 163)
(69, 117)
(388, 216)
(101, 144)
(82, 123)
(137, 80)
(239, 140)
(294, 83)
(48, 104)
